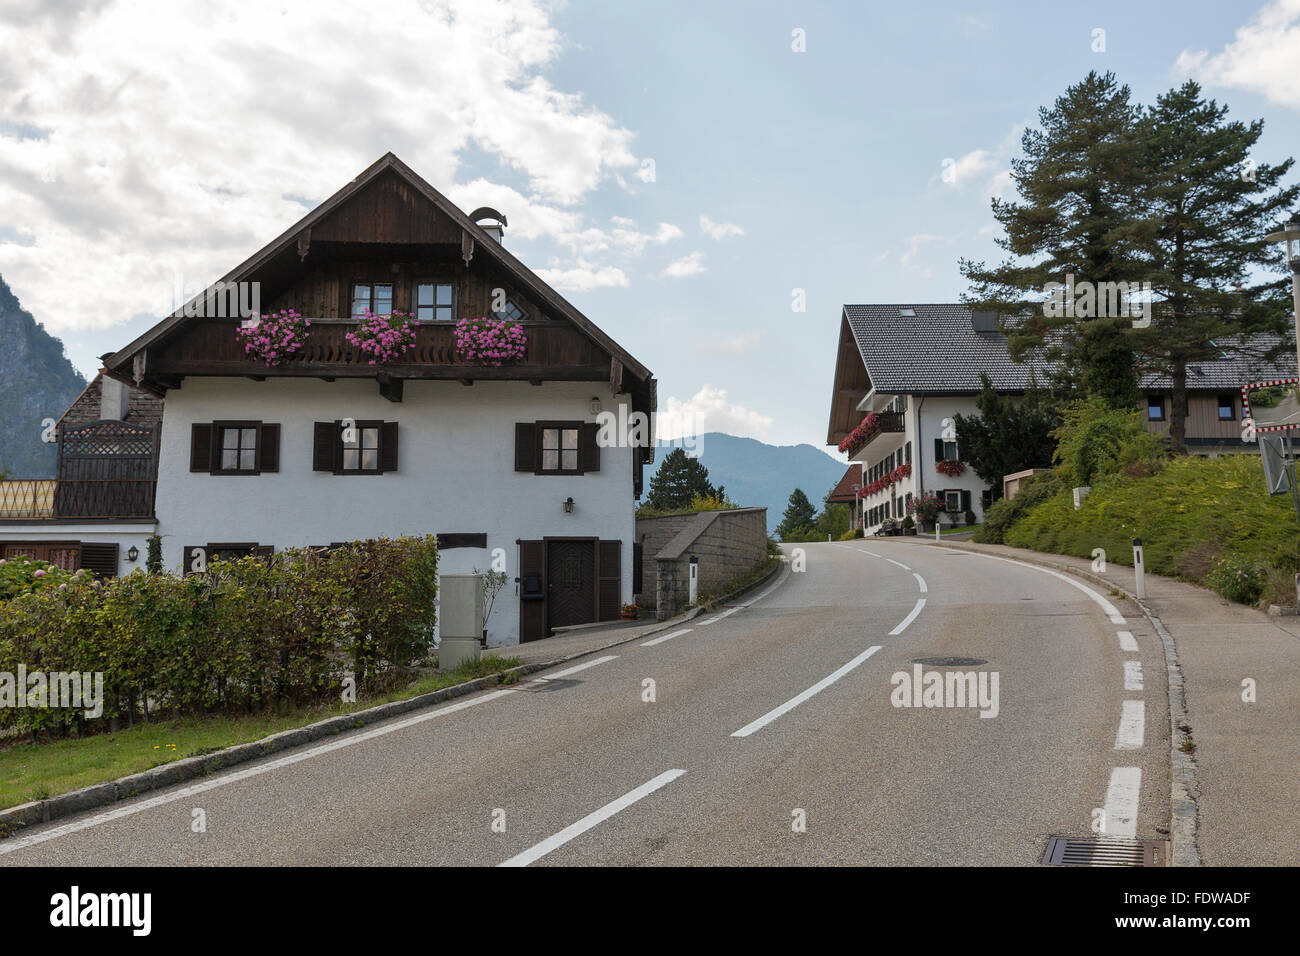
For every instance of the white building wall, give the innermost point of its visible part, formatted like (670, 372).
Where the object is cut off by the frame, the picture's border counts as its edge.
(455, 473)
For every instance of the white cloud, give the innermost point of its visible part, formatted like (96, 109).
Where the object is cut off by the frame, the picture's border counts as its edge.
(914, 246)
(157, 144)
(959, 172)
(719, 230)
(1262, 58)
(583, 277)
(691, 265)
(709, 411)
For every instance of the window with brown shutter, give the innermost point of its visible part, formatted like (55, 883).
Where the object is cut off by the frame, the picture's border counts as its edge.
(354, 447)
(609, 579)
(526, 446)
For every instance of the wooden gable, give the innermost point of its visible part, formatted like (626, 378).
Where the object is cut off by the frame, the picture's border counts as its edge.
(851, 386)
(388, 226)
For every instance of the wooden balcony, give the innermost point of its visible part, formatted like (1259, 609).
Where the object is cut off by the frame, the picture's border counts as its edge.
(554, 350)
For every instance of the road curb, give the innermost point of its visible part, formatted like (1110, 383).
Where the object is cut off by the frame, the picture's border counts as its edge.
(1183, 791)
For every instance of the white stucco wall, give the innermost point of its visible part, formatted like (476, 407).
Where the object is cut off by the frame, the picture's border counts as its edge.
(455, 473)
(933, 411)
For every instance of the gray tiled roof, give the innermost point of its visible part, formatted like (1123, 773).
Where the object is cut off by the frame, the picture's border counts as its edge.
(939, 352)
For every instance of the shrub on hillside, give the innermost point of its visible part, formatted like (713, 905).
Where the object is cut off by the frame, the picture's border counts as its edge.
(1095, 440)
(1238, 579)
(1000, 515)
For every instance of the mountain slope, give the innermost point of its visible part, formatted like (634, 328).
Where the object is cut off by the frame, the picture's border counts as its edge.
(36, 382)
(755, 473)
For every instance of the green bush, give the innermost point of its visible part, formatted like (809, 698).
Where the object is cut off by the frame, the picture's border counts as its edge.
(1097, 440)
(249, 635)
(851, 534)
(1002, 514)
(24, 575)
(1238, 578)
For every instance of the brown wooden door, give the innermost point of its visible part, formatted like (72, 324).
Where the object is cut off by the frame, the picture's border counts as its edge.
(570, 583)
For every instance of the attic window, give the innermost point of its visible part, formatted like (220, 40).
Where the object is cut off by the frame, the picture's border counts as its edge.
(435, 301)
(907, 313)
(511, 312)
(377, 298)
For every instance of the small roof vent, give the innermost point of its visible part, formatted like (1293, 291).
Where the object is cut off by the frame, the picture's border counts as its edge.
(907, 312)
(984, 322)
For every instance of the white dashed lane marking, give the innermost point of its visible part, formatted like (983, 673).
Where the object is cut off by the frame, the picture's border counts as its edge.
(1133, 675)
(1127, 643)
(1132, 726)
(1122, 802)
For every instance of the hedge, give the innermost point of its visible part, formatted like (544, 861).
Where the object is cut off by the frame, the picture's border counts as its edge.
(251, 634)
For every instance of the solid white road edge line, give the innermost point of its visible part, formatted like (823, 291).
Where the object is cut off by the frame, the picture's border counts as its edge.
(1132, 726)
(666, 637)
(1122, 802)
(794, 702)
(1127, 643)
(1111, 610)
(19, 843)
(592, 819)
(899, 563)
(921, 583)
(714, 620)
(902, 625)
(1133, 675)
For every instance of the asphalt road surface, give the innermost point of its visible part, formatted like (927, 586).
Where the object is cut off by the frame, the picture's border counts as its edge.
(769, 733)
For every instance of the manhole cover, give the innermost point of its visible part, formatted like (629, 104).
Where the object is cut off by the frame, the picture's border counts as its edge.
(1073, 851)
(948, 661)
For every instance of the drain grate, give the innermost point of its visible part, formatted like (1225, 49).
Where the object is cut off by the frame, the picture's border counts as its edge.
(1073, 851)
(948, 661)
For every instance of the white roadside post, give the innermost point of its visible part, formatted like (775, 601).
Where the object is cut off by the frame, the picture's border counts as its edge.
(460, 606)
(694, 578)
(1141, 571)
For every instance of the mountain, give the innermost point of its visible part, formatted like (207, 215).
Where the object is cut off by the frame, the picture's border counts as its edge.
(36, 382)
(754, 473)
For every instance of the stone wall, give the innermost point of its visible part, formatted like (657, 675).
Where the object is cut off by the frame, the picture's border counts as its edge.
(729, 545)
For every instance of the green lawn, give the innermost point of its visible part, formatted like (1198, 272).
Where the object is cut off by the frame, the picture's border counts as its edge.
(36, 771)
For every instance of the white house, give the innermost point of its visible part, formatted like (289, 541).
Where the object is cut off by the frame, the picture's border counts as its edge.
(904, 371)
(501, 462)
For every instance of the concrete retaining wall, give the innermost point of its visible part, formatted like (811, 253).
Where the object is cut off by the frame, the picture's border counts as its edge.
(729, 545)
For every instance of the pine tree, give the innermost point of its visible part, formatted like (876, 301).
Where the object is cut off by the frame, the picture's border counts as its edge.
(1008, 435)
(1209, 206)
(678, 481)
(799, 519)
(1076, 216)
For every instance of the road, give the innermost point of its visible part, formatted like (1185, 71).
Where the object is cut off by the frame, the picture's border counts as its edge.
(764, 734)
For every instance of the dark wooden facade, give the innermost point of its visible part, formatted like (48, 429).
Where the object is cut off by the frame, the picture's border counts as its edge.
(387, 226)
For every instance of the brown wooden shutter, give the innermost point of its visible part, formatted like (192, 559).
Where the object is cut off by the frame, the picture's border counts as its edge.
(388, 447)
(638, 457)
(609, 579)
(532, 590)
(100, 557)
(201, 441)
(938, 450)
(526, 447)
(325, 447)
(589, 451)
(638, 568)
(187, 558)
(268, 448)
(263, 550)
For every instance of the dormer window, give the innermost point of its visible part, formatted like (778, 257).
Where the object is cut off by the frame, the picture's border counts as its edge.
(372, 297)
(435, 302)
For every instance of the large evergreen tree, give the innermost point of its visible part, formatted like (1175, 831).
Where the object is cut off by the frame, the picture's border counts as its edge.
(1208, 206)
(799, 520)
(1075, 215)
(678, 481)
(1008, 435)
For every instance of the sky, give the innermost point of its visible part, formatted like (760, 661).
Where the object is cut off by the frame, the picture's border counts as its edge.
(708, 182)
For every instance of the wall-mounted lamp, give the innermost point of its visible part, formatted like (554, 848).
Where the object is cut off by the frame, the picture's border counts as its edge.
(568, 505)
(133, 553)
(595, 405)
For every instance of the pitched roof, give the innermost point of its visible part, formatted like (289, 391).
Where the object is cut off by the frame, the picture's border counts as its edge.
(937, 350)
(846, 490)
(483, 243)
